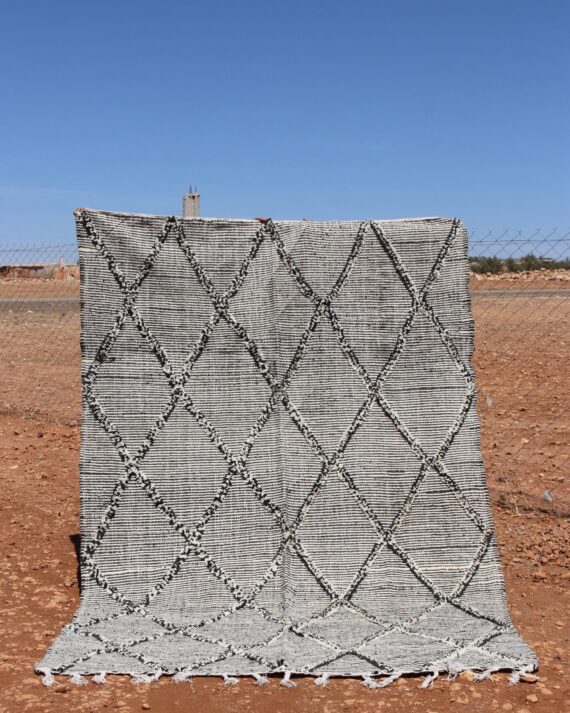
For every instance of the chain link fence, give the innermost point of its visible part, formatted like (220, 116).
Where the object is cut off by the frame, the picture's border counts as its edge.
(520, 288)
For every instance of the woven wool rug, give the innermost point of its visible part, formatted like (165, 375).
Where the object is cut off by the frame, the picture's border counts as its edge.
(280, 458)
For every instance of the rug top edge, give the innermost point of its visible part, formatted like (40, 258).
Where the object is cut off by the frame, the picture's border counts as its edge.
(419, 219)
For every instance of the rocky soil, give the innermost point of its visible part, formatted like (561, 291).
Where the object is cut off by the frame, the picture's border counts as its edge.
(521, 362)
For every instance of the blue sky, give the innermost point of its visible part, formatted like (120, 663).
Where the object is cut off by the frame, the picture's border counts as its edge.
(318, 110)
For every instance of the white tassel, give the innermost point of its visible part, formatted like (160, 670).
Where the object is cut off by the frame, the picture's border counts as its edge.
(47, 677)
(516, 675)
(260, 680)
(453, 670)
(387, 681)
(428, 680)
(368, 682)
(181, 676)
(230, 680)
(77, 679)
(322, 680)
(286, 680)
(484, 675)
(99, 677)
(146, 677)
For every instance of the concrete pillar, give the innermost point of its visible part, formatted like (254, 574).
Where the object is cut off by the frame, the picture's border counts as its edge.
(191, 204)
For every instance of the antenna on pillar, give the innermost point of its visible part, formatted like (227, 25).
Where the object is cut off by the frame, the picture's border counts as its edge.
(191, 203)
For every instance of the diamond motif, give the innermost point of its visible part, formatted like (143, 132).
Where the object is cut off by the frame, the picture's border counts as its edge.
(409, 647)
(129, 556)
(444, 544)
(226, 386)
(391, 590)
(305, 241)
(476, 594)
(344, 628)
(243, 628)
(172, 651)
(219, 248)
(131, 386)
(378, 466)
(414, 391)
(98, 314)
(181, 452)
(173, 303)
(371, 305)
(329, 405)
(289, 646)
(446, 618)
(323, 533)
(250, 532)
(276, 322)
(192, 596)
(284, 463)
(303, 595)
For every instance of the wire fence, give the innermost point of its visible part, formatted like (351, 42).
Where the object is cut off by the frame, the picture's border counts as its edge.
(520, 290)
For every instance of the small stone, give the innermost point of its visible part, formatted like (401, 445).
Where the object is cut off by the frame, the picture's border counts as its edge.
(145, 707)
(546, 691)
(507, 707)
(61, 688)
(532, 698)
(529, 677)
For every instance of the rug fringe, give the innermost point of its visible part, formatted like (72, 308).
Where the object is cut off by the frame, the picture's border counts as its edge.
(387, 681)
(77, 679)
(47, 676)
(286, 680)
(182, 676)
(368, 680)
(484, 675)
(453, 670)
(145, 677)
(430, 678)
(516, 675)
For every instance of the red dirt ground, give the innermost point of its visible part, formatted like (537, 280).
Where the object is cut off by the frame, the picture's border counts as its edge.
(521, 361)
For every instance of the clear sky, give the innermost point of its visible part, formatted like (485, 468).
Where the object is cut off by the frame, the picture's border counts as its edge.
(299, 109)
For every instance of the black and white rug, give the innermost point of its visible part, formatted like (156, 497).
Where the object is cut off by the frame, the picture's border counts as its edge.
(280, 458)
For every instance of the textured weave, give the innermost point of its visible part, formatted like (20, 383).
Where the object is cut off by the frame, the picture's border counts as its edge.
(280, 457)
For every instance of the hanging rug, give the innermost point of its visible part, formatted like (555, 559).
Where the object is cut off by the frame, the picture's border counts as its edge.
(280, 455)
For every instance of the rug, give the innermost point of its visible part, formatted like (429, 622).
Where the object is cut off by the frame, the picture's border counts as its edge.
(280, 457)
